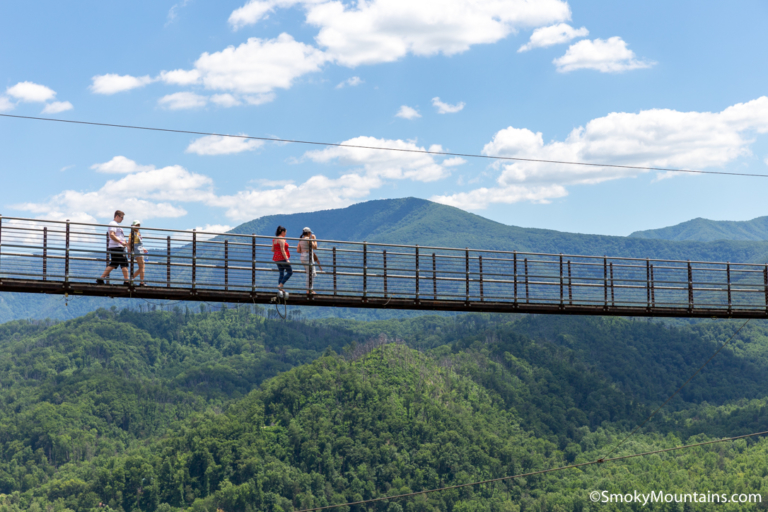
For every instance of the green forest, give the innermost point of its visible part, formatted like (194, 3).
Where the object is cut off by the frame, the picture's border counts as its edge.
(231, 410)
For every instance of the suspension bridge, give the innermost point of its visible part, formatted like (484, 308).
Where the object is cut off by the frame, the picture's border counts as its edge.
(66, 258)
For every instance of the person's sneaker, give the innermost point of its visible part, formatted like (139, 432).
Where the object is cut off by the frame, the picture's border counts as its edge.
(126, 283)
(286, 295)
(99, 281)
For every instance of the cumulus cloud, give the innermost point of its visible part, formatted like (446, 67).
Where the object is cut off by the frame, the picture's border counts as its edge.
(121, 165)
(218, 145)
(259, 65)
(372, 169)
(225, 100)
(147, 194)
(393, 165)
(650, 138)
(352, 82)
(57, 106)
(407, 112)
(6, 104)
(387, 30)
(445, 108)
(31, 92)
(606, 56)
(182, 100)
(180, 77)
(544, 37)
(113, 83)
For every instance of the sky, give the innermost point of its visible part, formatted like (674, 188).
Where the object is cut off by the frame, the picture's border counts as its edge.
(663, 84)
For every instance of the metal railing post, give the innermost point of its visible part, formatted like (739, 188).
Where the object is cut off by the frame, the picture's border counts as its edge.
(417, 273)
(334, 270)
(130, 248)
(466, 260)
(45, 253)
(561, 282)
(480, 268)
(365, 270)
(168, 263)
(728, 276)
(613, 295)
(570, 285)
(106, 254)
(605, 283)
(226, 265)
(527, 295)
(648, 283)
(384, 256)
(653, 289)
(253, 262)
(690, 286)
(66, 254)
(194, 257)
(514, 272)
(434, 276)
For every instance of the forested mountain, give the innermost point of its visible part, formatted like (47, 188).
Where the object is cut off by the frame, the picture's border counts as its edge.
(417, 221)
(705, 230)
(230, 410)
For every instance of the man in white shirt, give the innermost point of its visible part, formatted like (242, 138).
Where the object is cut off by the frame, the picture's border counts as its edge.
(116, 249)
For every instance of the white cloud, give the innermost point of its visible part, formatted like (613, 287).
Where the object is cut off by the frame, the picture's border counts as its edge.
(180, 77)
(393, 165)
(146, 194)
(606, 56)
(225, 100)
(650, 138)
(407, 112)
(6, 104)
(218, 145)
(31, 92)
(259, 65)
(121, 165)
(57, 107)
(453, 162)
(113, 83)
(445, 108)
(173, 12)
(256, 10)
(352, 82)
(182, 100)
(386, 30)
(544, 37)
(258, 99)
(204, 232)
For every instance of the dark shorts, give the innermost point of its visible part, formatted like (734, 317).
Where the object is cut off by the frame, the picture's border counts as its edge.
(117, 258)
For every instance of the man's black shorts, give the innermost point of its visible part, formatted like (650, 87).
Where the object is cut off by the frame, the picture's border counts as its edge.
(117, 258)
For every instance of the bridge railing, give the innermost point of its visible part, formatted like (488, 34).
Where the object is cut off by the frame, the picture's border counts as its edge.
(67, 252)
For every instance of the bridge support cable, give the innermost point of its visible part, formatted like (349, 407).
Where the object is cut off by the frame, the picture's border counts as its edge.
(55, 257)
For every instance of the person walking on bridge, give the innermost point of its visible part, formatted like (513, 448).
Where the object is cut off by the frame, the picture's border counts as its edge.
(307, 248)
(116, 249)
(136, 248)
(281, 256)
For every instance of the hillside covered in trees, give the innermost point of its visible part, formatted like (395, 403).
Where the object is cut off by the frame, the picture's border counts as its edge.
(231, 410)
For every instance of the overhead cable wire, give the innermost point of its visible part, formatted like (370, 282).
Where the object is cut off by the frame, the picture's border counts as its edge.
(378, 148)
(534, 473)
(626, 438)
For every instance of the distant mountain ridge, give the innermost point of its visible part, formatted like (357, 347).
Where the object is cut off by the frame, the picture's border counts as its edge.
(705, 230)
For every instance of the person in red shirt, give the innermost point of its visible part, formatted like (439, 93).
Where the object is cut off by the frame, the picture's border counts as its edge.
(281, 256)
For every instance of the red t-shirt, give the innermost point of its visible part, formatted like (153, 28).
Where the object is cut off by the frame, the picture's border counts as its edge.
(278, 254)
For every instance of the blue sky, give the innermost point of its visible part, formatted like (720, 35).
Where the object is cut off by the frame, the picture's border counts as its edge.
(671, 84)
